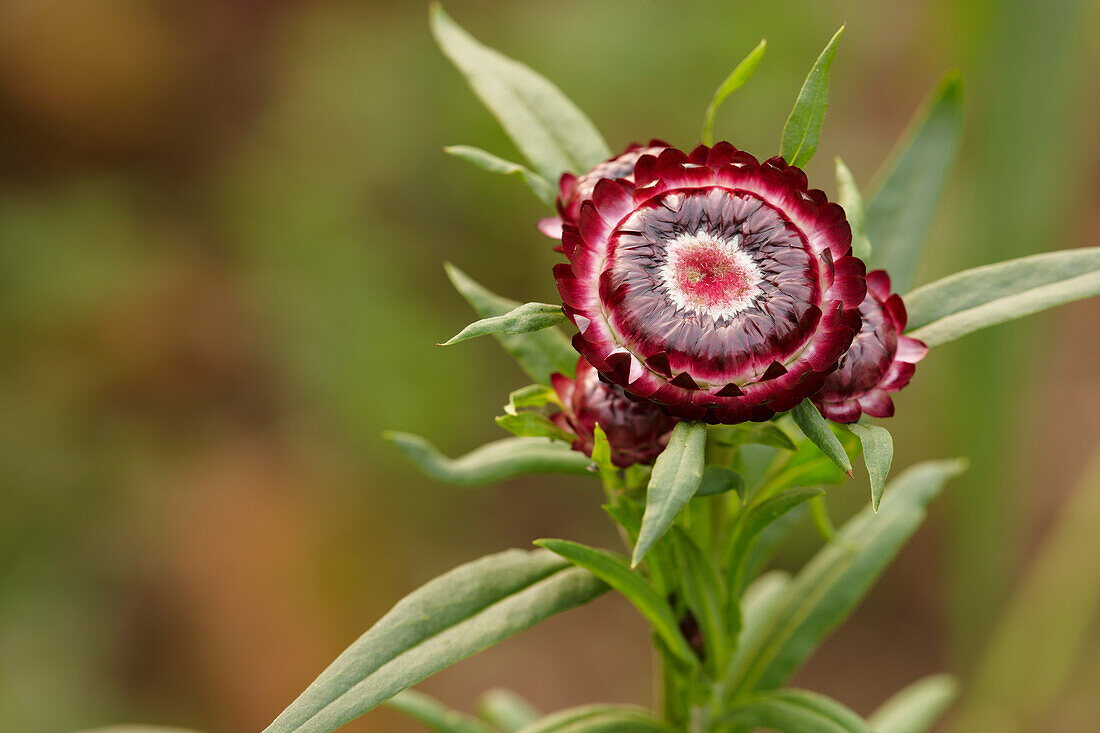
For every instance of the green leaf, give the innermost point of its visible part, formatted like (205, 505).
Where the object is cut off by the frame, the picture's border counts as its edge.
(460, 613)
(878, 454)
(660, 568)
(540, 354)
(769, 542)
(764, 433)
(527, 318)
(614, 570)
(434, 715)
(533, 425)
(737, 78)
(813, 425)
(900, 214)
(719, 480)
(852, 203)
(985, 296)
(705, 595)
(485, 160)
(599, 719)
(826, 590)
(803, 127)
(755, 520)
(675, 479)
(601, 449)
(917, 707)
(506, 710)
(492, 462)
(551, 132)
(531, 396)
(758, 603)
(796, 711)
(819, 512)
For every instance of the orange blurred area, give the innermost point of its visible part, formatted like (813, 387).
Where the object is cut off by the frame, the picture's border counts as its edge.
(222, 226)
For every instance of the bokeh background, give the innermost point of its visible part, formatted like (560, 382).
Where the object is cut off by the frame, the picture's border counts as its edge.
(221, 231)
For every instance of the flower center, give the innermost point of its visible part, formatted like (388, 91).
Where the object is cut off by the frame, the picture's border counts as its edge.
(710, 275)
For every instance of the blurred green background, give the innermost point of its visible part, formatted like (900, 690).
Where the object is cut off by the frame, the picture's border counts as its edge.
(221, 231)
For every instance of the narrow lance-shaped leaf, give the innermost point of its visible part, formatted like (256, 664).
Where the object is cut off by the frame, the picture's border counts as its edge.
(506, 710)
(803, 128)
(819, 513)
(705, 595)
(878, 454)
(796, 711)
(527, 318)
(435, 716)
(718, 480)
(540, 354)
(531, 396)
(458, 614)
(532, 425)
(486, 161)
(599, 719)
(813, 425)
(551, 132)
(613, 570)
(737, 78)
(916, 708)
(900, 214)
(852, 203)
(675, 479)
(751, 524)
(752, 433)
(985, 296)
(496, 461)
(826, 590)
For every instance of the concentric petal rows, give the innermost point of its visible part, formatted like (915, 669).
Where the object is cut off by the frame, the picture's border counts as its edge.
(880, 360)
(736, 366)
(636, 431)
(575, 190)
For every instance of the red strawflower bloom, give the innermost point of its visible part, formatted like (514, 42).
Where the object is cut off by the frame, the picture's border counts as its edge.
(715, 285)
(575, 190)
(636, 431)
(879, 361)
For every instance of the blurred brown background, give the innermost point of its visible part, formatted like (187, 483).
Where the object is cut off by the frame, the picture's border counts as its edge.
(221, 230)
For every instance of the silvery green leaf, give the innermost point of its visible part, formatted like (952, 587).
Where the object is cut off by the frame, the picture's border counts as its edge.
(526, 318)
(540, 354)
(506, 710)
(615, 571)
(599, 719)
(814, 426)
(492, 462)
(878, 454)
(433, 715)
(916, 708)
(830, 586)
(851, 201)
(551, 132)
(975, 299)
(460, 613)
(486, 161)
(676, 475)
(900, 213)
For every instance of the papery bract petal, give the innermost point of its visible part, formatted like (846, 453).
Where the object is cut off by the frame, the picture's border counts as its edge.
(716, 286)
(879, 361)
